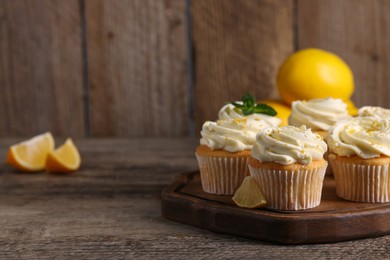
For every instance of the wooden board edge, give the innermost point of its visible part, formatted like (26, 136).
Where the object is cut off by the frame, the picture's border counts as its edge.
(267, 227)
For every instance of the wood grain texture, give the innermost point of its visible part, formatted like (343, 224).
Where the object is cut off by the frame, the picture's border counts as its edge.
(40, 68)
(238, 46)
(358, 32)
(110, 208)
(333, 220)
(138, 71)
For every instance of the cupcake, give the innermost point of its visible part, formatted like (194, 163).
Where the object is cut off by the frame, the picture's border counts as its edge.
(318, 114)
(223, 153)
(288, 165)
(378, 112)
(360, 157)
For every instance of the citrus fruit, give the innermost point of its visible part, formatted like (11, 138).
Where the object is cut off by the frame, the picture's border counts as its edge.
(352, 109)
(248, 195)
(281, 108)
(30, 155)
(314, 73)
(65, 158)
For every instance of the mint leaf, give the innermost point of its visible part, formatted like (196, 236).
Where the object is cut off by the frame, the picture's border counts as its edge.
(248, 111)
(249, 106)
(265, 109)
(237, 105)
(249, 100)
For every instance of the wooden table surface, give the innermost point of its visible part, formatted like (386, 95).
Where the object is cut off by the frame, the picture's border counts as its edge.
(111, 208)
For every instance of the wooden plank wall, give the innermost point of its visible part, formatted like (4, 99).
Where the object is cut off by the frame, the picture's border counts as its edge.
(127, 68)
(358, 31)
(137, 68)
(238, 47)
(40, 68)
(94, 68)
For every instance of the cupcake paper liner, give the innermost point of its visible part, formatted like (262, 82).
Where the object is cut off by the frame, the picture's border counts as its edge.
(290, 190)
(222, 175)
(362, 183)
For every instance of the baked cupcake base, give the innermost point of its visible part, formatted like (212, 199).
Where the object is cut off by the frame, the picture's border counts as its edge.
(222, 172)
(324, 135)
(362, 180)
(289, 187)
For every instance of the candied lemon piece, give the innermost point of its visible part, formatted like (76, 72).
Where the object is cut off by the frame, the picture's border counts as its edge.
(64, 159)
(249, 195)
(31, 154)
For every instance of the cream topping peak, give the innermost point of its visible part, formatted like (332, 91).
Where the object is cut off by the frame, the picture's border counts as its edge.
(287, 145)
(231, 135)
(318, 114)
(378, 112)
(366, 137)
(229, 111)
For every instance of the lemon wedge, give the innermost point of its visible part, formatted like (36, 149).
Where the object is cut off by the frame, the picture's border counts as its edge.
(65, 158)
(249, 195)
(30, 155)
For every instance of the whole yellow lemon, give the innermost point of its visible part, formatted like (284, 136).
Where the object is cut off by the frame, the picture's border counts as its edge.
(314, 73)
(283, 111)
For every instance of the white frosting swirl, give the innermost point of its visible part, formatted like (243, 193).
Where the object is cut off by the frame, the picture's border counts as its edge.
(318, 114)
(367, 137)
(229, 111)
(288, 144)
(378, 112)
(232, 135)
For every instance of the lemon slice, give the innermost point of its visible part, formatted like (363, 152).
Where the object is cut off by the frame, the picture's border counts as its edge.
(249, 194)
(64, 159)
(282, 109)
(352, 109)
(31, 154)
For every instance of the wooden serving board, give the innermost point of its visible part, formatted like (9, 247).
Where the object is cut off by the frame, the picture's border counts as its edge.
(333, 220)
